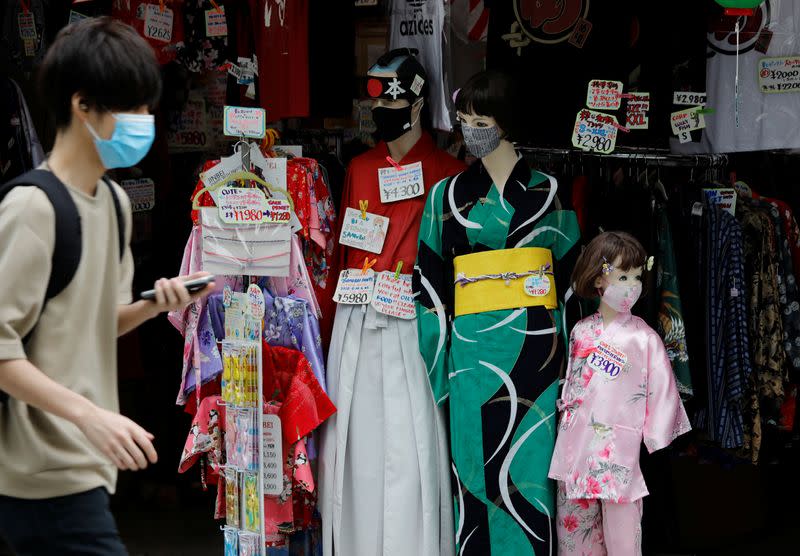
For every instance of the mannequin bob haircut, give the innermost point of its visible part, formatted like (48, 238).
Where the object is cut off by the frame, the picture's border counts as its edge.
(495, 94)
(607, 247)
(103, 60)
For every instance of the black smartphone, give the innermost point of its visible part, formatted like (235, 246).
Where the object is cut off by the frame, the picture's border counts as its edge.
(192, 285)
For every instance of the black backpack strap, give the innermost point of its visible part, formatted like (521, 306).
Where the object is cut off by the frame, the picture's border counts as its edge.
(120, 216)
(68, 240)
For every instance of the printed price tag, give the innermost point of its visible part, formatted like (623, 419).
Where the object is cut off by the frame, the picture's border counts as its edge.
(537, 286)
(27, 26)
(636, 109)
(367, 234)
(29, 45)
(355, 287)
(249, 205)
(595, 132)
(608, 360)
(604, 95)
(142, 193)
(75, 17)
(272, 454)
(687, 120)
(397, 185)
(683, 98)
(394, 296)
(245, 122)
(187, 128)
(779, 75)
(726, 198)
(216, 23)
(219, 173)
(255, 301)
(158, 24)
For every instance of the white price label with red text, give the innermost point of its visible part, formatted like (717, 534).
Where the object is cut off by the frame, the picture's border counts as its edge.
(158, 23)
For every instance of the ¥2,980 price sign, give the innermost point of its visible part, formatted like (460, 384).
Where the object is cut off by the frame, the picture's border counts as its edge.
(595, 132)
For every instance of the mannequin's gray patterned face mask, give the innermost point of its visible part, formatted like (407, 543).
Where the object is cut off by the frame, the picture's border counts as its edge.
(481, 141)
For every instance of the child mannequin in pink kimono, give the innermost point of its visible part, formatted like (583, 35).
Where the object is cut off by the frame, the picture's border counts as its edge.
(619, 391)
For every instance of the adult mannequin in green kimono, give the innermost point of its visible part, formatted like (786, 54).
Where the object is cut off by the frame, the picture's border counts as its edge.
(491, 326)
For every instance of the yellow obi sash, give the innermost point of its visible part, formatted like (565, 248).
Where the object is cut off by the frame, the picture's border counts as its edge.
(504, 279)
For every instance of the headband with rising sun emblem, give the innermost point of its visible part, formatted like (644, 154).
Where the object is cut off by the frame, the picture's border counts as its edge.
(410, 82)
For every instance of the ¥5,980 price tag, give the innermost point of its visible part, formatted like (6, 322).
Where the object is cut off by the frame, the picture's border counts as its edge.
(355, 287)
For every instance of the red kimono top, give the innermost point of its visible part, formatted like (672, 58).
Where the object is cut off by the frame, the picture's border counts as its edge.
(404, 216)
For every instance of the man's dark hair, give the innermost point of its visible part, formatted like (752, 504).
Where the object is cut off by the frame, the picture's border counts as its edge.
(104, 60)
(493, 93)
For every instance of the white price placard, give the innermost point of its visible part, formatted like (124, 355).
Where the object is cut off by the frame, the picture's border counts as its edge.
(595, 132)
(604, 95)
(779, 75)
(141, 192)
(245, 122)
(158, 23)
(355, 287)
(405, 183)
(687, 120)
(685, 98)
(393, 295)
(272, 454)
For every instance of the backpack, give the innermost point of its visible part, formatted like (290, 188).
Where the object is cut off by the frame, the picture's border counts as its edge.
(68, 247)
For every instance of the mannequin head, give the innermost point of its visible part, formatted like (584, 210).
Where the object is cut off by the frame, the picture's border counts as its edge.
(485, 107)
(397, 85)
(611, 267)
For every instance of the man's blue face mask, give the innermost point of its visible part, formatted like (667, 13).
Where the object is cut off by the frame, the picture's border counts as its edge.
(132, 138)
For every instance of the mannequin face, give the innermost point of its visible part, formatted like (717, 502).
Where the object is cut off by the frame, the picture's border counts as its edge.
(620, 277)
(475, 120)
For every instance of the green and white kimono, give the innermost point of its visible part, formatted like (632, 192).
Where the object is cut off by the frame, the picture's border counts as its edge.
(499, 368)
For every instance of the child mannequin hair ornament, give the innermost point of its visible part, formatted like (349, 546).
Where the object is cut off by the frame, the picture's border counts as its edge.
(607, 252)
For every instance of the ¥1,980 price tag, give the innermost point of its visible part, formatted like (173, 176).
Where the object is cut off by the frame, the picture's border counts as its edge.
(355, 287)
(272, 455)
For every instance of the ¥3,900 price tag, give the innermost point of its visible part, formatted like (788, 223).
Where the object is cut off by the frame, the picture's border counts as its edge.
(354, 287)
(595, 132)
(405, 183)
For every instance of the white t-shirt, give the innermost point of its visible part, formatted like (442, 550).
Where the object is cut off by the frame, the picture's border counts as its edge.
(766, 120)
(419, 24)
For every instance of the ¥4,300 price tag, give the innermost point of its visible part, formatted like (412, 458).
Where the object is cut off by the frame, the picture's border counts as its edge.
(595, 132)
(405, 183)
(355, 287)
(157, 23)
(272, 452)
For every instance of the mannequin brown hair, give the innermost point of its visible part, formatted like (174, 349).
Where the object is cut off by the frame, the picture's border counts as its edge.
(605, 248)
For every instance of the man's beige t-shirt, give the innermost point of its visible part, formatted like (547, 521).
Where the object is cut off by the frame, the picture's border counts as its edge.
(74, 342)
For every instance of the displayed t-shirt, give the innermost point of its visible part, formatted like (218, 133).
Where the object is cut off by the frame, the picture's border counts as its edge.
(766, 120)
(554, 48)
(74, 342)
(280, 28)
(419, 25)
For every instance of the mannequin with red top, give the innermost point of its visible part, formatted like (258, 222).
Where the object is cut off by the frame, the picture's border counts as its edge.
(384, 471)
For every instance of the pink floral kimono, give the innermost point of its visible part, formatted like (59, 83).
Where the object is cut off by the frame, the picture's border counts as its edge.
(619, 391)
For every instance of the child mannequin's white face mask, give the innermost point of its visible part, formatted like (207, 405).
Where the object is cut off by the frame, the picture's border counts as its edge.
(620, 289)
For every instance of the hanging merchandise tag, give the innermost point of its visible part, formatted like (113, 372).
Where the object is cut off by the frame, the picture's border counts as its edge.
(234, 325)
(216, 23)
(779, 75)
(697, 209)
(604, 95)
(725, 198)
(27, 25)
(249, 205)
(537, 285)
(636, 109)
(250, 92)
(251, 514)
(255, 301)
(595, 132)
(685, 137)
(142, 193)
(367, 233)
(405, 183)
(234, 70)
(272, 449)
(220, 172)
(355, 287)
(764, 40)
(608, 360)
(245, 122)
(580, 33)
(227, 296)
(687, 120)
(394, 296)
(158, 23)
(75, 17)
(684, 98)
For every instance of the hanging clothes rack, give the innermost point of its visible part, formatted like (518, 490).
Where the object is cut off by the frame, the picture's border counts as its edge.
(631, 154)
